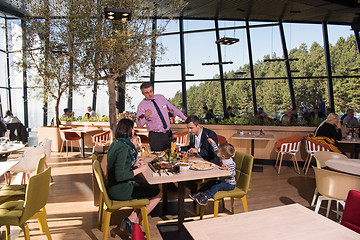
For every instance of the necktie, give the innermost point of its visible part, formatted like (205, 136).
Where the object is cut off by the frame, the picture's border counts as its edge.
(160, 114)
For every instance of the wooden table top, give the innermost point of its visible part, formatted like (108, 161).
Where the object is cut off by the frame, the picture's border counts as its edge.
(351, 166)
(354, 141)
(6, 166)
(253, 137)
(293, 222)
(187, 175)
(82, 130)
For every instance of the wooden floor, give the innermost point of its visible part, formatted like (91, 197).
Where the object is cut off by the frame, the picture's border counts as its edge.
(72, 215)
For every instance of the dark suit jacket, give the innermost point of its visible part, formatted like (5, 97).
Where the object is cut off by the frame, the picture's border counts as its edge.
(206, 151)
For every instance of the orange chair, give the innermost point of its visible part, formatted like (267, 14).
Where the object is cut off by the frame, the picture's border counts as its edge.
(101, 138)
(68, 137)
(289, 145)
(221, 139)
(311, 148)
(181, 138)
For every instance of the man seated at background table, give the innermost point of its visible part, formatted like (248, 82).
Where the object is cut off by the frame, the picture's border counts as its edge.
(199, 140)
(350, 120)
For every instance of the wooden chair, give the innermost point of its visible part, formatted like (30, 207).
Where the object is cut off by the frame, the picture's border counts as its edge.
(16, 213)
(108, 206)
(244, 163)
(290, 145)
(311, 148)
(101, 138)
(181, 138)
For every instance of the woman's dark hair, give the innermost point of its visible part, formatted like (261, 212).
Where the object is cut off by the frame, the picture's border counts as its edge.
(124, 128)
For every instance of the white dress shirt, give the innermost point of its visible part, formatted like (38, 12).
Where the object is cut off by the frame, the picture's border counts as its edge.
(198, 140)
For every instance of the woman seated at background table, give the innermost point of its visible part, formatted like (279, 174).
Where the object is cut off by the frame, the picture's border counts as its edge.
(124, 168)
(329, 131)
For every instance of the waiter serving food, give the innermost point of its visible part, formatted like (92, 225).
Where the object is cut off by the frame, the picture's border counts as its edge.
(153, 112)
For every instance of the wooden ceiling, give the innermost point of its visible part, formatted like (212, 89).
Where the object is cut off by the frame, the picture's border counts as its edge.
(305, 11)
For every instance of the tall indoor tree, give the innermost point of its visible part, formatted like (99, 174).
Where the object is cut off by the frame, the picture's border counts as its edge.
(103, 49)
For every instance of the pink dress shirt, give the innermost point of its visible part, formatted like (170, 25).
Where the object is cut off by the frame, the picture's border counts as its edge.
(154, 123)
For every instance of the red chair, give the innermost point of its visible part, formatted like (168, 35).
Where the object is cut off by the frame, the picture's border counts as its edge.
(68, 137)
(289, 145)
(311, 148)
(221, 139)
(351, 214)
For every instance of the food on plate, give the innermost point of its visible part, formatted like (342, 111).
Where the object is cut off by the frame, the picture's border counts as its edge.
(202, 166)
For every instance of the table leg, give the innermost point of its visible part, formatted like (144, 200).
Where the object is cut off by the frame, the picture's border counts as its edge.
(181, 210)
(164, 199)
(356, 152)
(252, 147)
(82, 144)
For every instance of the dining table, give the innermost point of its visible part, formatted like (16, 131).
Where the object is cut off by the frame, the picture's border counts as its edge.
(182, 177)
(253, 137)
(83, 132)
(347, 165)
(353, 141)
(293, 221)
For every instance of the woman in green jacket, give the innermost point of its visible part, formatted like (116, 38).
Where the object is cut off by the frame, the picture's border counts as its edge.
(124, 168)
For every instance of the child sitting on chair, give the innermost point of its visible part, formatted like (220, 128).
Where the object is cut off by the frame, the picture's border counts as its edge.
(226, 152)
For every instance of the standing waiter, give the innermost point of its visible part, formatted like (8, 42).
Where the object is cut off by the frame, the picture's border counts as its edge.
(153, 111)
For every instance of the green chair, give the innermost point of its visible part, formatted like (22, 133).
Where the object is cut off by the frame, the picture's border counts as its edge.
(108, 206)
(16, 213)
(244, 164)
(17, 192)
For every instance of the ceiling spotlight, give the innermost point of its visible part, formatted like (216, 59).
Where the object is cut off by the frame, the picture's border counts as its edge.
(117, 14)
(227, 41)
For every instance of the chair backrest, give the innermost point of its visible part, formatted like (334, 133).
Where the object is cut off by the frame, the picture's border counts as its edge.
(37, 193)
(322, 156)
(244, 164)
(100, 180)
(351, 214)
(285, 144)
(221, 139)
(47, 143)
(181, 138)
(334, 184)
(41, 164)
(101, 137)
(31, 157)
(313, 146)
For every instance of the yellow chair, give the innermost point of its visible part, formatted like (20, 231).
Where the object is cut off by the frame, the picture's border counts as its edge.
(16, 213)
(334, 186)
(17, 192)
(244, 163)
(108, 206)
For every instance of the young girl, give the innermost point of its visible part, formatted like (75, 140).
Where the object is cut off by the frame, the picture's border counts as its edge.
(225, 152)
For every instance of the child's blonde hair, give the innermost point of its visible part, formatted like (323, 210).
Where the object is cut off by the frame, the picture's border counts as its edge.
(227, 150)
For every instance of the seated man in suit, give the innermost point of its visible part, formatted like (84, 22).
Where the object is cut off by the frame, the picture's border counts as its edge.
(199, 143)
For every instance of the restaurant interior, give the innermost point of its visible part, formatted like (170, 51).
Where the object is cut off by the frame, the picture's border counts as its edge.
(290, 184)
